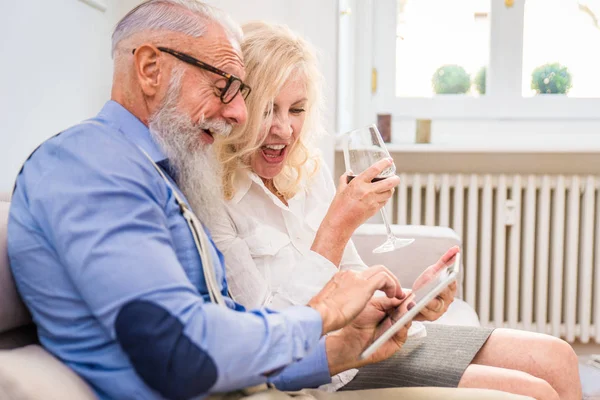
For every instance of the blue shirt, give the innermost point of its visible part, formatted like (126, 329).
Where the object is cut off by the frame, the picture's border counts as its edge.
(108, 268)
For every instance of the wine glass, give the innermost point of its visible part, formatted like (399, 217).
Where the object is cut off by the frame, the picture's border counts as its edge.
(363, 147)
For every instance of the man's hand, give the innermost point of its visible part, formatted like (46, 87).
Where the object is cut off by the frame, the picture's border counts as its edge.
(348, 292)
(438, 306)
(345, 346)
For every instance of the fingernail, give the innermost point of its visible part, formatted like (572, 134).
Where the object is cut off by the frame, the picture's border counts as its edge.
(411, 305)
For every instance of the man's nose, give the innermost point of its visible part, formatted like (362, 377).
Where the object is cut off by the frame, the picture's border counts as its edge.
(236, 112)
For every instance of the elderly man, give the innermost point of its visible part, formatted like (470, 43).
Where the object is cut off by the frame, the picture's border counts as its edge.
(123, 283)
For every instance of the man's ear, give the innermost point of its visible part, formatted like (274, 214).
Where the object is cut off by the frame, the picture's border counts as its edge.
(149, 68)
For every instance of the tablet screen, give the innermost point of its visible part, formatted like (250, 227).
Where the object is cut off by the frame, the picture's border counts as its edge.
(427, 287)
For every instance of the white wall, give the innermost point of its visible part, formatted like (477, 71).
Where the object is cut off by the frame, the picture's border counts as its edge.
(59, 70)
(56, 71)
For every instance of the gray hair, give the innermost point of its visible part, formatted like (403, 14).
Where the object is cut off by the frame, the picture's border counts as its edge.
(189, 17)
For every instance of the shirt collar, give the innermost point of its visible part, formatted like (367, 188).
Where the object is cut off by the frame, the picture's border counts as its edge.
(242, 185)
(244, 182)
(132, 128)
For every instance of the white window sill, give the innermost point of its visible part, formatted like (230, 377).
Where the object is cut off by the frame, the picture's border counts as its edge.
(479, 148)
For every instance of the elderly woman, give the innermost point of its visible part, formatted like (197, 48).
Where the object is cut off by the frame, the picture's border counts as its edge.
(286, 230)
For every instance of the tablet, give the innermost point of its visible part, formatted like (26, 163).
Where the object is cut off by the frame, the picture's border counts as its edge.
(421, 297)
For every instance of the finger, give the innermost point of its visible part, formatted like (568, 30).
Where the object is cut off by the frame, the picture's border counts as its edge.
(386, 184)
(445, 260)
(453, 288)
(404, 330)
(429, 315)
(402, 335)
(343, 180)
(374, 170)
(383, 197)
(381, 204)
(433, 310)
(436, 305)
(385, 303)
(376, 269)
(449, 256)
(445, 300)
(407, 326)
(445, 294)
(382, 281)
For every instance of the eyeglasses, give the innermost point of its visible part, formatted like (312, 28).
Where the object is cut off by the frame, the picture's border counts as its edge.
(233, 86)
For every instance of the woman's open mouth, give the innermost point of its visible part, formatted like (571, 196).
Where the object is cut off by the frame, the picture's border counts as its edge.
(274, 153)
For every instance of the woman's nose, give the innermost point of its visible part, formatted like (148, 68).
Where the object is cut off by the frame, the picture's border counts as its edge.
(281, 126)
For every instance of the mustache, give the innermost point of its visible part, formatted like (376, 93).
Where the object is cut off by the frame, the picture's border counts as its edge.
(217, 126)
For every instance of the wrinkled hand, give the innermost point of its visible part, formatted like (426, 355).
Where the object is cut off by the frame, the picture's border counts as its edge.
(438, 306)
(359, 200)
(352, 205)
(348, 292)
(345, 346)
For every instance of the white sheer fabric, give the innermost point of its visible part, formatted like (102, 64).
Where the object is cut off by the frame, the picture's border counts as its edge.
(267, 244)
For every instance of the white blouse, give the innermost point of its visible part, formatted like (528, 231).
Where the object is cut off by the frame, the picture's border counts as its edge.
(267, 244)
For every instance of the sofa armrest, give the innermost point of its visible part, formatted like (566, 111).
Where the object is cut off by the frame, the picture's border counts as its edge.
(408, 262)
(33, 373)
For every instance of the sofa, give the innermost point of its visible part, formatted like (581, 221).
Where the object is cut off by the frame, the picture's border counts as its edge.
(27, 371)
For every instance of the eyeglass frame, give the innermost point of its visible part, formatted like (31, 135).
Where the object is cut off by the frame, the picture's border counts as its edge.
(200, 64)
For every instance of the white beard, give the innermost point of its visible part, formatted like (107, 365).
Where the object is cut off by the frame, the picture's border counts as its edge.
(197, 170)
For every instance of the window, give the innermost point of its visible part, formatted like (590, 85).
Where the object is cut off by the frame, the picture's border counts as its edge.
(408, 40)
(562, 34)
(441, 46)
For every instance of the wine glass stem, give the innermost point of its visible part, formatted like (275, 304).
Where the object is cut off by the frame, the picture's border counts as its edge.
(387, 224)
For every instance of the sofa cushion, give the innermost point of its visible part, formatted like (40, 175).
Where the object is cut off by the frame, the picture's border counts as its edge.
(407, 263)
(12, 310)
(31, 373)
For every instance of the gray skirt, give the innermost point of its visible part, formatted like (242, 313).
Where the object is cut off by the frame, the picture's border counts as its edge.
(439, 359)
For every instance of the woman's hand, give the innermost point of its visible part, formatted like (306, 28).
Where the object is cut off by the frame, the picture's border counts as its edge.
(359, 200)
(352, 205)
(438, 306)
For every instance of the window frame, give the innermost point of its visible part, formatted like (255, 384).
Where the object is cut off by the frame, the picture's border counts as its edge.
(503, 99)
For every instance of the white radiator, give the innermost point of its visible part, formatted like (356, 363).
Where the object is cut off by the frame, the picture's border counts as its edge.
(531, 245)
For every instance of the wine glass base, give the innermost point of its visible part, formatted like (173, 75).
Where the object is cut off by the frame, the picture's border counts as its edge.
(393, 244)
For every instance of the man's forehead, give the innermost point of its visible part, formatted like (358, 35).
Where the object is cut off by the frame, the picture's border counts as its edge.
(215, 46)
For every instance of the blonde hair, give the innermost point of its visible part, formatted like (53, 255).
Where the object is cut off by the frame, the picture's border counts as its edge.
(272, 55)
